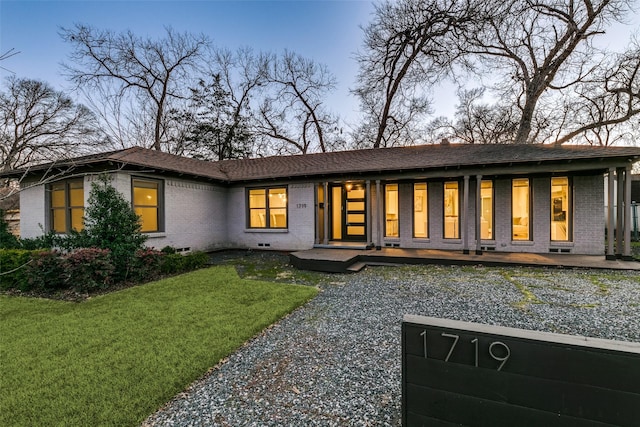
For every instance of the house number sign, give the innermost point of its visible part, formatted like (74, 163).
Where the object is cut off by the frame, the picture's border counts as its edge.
(462, 373)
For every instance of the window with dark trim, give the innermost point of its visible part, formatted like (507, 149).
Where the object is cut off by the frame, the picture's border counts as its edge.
(521, 209)
(391, 210)
(267, 207)
(561, 209)
(486, 209)
(451, 210)
(147, 203)
(66, 206)
(420, 210)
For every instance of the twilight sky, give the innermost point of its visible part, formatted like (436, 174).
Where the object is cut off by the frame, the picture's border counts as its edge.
(328, 31)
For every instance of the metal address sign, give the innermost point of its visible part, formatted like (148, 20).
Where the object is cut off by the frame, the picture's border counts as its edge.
(460, 373)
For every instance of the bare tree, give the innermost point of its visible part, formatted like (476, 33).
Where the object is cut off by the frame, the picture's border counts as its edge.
(476, 122)
(38, 123)
(153, 72)
(544, 50)
(408, 46)
(292, 111)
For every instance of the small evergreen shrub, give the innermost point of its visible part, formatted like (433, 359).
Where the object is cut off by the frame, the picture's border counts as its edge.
(89, 269)
(13, 267)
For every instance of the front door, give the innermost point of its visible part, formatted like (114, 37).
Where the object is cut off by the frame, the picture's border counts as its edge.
(348, 212)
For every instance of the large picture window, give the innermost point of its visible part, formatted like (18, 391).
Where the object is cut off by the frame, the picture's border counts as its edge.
(420, 211)
(391, 210)
(560, 209)
(521, 209)
(66, 204)
(451, 210)
(147, 203)
(267, 207)
(486, 210)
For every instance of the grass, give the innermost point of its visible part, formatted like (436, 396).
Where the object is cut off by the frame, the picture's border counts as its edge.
(116, 358)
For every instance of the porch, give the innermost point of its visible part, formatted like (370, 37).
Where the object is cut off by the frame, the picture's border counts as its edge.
(344, 260)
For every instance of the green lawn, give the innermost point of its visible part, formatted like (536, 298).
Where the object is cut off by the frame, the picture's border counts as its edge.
(115, 359)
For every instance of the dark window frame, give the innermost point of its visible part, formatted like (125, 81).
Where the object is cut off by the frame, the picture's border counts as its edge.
(161, 201)
(444, 210)
(570, 208)
(530, 213)
(267, 208)
(67, 208)
(413, 210)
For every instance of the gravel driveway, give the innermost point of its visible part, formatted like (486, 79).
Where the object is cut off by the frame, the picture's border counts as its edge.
(336, 361)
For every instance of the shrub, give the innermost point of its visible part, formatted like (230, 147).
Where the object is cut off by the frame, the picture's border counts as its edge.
(7, 239)
(49, 240)
(47, 271)
(13, 267)
(176, 263)
(172, 264)
(110, 223)
(148, 264)
(89, 268)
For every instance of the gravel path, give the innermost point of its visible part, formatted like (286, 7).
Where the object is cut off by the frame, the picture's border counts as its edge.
(336, 361)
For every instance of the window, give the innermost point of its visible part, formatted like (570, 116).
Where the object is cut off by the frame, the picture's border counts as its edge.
(560, 209)
(67, 206)
(420, 211)
(521, 209)
(391, 210)
(147, 198)
(486, 210)
(451, 210)
(268, 208)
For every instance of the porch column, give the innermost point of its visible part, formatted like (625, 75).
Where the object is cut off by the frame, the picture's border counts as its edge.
(465, 216)
(368, 207)
(611, 223)
(325, 240)
(316, 188)
(620, 219)
(626, 254)
(478, 214)
(378, 216)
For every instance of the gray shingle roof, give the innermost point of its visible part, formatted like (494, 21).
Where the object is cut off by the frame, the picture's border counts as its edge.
(421, 157)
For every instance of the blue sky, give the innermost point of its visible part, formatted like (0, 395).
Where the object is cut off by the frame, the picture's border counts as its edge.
(326, 31)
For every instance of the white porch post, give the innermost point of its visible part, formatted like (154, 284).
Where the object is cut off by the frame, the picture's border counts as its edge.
(626, 254)
(465, 215)
(611, 223)
(620, 219)
(369, 224)
(378, 216)
(478, 214)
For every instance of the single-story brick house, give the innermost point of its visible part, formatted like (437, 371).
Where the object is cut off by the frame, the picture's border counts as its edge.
(511, 198)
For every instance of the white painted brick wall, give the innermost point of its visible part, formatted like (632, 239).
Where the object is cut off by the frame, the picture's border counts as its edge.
(300, 233)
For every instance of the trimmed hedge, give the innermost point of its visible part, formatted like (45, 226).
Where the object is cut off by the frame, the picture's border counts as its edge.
(13, 265)
(87, 269)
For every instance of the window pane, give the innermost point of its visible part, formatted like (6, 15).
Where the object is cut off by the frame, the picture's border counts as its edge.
(420, 214)
(451, 209)
(257, 198)
(391, 204)
(58, 195)
(278, 198)
(148, 218)
(355, 193)
(278, 218)
(76, 197)
(520, 212)
(77, 222)
(560, 211)
(258, 218)
(486, 214)
(145, 193)
(59, 220)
